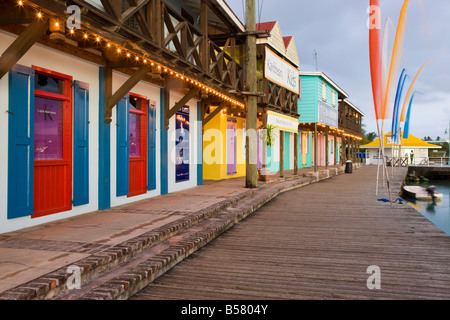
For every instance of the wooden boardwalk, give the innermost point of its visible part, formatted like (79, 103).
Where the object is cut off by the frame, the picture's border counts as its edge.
(316, 242)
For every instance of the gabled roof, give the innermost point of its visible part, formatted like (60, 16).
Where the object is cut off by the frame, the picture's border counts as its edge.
(285, 46)
(411, 142)
(287, 41)
(266, 26)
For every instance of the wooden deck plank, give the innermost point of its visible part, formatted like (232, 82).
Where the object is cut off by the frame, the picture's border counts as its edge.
(316, 242)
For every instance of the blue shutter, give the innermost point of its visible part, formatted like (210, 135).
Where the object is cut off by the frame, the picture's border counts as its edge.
(122, 169)
(21, 142)
(151, 158)
(81, 144)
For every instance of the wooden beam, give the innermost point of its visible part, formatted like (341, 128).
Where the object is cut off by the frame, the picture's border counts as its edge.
(22, 44)
(192, 93)
(166, 104)
(214, 113)
(108, 93)
(204, 47)
(127, 86)
(11, 13)
(327, 148)
(111, 8)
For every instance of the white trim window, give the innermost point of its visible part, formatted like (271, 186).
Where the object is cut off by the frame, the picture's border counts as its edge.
(324, 91)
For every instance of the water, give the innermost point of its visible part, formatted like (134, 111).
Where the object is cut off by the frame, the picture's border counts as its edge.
(437, 211)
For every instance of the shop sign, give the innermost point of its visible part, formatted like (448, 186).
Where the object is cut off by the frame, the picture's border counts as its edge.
(281, 72)
(328, 115)
(282, 122)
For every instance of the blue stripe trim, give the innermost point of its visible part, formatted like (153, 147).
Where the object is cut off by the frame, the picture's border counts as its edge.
(164, 152)
(200, 145)
(104, 156)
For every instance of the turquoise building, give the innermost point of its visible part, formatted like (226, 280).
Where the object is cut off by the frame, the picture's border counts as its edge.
(318, 107)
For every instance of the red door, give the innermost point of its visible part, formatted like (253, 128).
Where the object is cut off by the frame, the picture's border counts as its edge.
(52, 142)
(137, 145)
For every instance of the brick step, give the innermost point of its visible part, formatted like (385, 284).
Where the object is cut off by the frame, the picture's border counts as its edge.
(54, 284)
(119, 271)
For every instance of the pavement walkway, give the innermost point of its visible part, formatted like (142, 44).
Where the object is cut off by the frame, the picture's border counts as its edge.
(37, 262)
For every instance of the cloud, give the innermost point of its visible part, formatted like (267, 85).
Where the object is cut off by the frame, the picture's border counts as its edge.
(337, 31)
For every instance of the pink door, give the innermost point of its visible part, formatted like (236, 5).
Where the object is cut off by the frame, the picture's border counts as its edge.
(231, 146)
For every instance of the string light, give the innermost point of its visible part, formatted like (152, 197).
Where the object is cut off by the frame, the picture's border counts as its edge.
(165, 69)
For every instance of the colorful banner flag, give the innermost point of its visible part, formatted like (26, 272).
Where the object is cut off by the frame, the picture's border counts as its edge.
(408, 116)
(375, 54)
(395, 59)
(409, 94)
(395, 114)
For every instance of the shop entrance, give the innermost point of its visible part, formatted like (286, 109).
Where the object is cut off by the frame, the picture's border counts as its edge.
(52, 142)
(231, 146)
(138, 145)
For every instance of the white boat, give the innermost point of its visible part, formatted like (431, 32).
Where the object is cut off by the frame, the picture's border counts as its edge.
(420, 193)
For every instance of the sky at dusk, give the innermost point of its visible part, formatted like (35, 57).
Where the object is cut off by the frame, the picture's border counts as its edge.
(338, 32)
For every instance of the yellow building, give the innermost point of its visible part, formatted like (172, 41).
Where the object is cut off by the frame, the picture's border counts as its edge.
(224, 146)
(413, 149)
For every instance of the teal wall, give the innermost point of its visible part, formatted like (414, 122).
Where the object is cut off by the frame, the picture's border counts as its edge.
(311, 93)
(287, 151)
(271, 165)
(301, 156)
(307, 105)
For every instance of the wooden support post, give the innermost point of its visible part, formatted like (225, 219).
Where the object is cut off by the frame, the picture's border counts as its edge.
(204, 47)
(22, 44)
(108, 94)
(264, 172)
(251, 179)
(166, 104)
(281, 154)
(327, 148)
(315, 148)
(295, 153)
(335, 151)
(158, 22)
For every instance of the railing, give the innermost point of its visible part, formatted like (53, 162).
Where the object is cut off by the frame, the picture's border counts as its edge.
(349, 125)
(182, 38)
(153, 26)
(278, 97)
(417, 161)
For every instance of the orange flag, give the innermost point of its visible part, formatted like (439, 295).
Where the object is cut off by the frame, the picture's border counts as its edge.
(375, 54)
(409, 94)
(395, 59)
